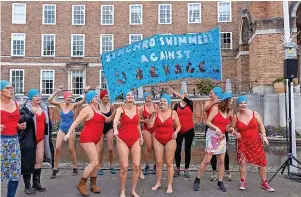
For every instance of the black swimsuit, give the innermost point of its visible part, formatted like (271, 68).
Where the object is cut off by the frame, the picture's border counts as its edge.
(108, 125)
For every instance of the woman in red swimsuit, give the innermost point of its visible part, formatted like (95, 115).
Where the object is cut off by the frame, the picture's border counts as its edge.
(218, 122)
(165, 136)
(249, 143)
(145, 112)
(90, 140)
(129, 138)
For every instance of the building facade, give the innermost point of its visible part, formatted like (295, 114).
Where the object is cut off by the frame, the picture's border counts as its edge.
(45, 44)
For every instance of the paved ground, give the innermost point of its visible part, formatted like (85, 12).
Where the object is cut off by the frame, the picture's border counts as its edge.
(64, 186)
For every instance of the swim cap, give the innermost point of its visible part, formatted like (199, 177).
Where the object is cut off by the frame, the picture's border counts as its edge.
(32, 93)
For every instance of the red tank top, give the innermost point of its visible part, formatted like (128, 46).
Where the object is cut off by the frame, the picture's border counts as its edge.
(147, 115)
(221, 122)
(186, 118)
(164, 130)
(10, 122)
(40, 125)
(249, 130)
(128, 131)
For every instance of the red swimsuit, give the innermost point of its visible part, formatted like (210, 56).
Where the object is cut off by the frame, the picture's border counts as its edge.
(10, 122)
(147, 115)
(93, 129)
(164, 130)
(128, 131)
(250, 145)
(221, 122)
(40, 132)
(185, 116)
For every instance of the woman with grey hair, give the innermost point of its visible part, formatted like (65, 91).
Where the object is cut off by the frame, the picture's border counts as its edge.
(35, 141)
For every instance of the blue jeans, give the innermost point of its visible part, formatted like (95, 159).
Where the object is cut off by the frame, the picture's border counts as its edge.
(12, 188)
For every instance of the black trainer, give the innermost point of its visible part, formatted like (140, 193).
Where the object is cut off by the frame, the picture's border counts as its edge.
(75, 172)
(221, 186)
(54, 172)
(196, 184)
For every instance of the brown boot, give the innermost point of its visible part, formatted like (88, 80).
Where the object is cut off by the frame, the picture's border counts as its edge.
(93, 186)
(82, 188)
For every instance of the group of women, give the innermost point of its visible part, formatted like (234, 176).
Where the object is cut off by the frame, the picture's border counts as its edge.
(26, 137)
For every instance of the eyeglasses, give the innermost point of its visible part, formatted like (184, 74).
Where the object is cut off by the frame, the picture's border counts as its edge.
(9, 88)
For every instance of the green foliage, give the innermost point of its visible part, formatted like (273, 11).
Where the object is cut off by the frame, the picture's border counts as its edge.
(56, 127)
(204, 86)
(279, 79)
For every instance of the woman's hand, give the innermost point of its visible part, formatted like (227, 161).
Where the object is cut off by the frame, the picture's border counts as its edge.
(237, 135)
(21, 126)
(265, 140)
(115, 133)
(1, 127)
(141, 141)
(87, 88)
(59, 89)
(67, 136)
(175, 135)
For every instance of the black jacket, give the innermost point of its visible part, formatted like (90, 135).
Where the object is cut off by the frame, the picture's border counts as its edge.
(27, 138)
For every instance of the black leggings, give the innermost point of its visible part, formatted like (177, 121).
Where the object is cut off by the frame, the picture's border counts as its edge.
(214, 159)
(188, 142)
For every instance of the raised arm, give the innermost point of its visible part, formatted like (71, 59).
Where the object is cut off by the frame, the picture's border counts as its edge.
(81, 102)
(171, 90)
(50, 99)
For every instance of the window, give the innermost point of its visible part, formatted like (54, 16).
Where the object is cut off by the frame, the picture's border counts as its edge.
(77, 45)
(18, 44)
(107, 15)
(224, 11)
(78, 15)
(48, 45)
(47, 81)
(106, 43)
(77, 81)
(17, 80)
(164, 14)
(194, 13)
(49, 14)
(135, 38)
(226, 40)
(135, 14)
(102, 80)
(19, 13)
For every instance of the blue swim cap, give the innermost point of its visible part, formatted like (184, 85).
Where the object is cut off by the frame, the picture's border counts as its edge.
(167, 97)
(4, 83)
(90, 96)
(32, 93)
(146, 94)
(241, 99)
(218, 91)
(126, 92)
(226, 95)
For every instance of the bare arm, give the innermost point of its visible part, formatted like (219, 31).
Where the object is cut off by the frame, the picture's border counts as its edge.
(50, 99)
(110, 118)
(116, 120)
(176, 93)
(260, 123)
(140, 113)
(208, 105)
(81, 117)
(151, 121)
(211, 116)
(176, 121)
(81, 102)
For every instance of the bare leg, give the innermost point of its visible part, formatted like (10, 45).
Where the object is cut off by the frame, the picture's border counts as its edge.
(262, 173)
(243, 169)
(204, 164)
(109, 138)
(170, 150)
(136, 156)
(39, 155)
(91, 151)
(58, 147)
(149, 145)
(159, 152)
(101, 150)
(72, 152)
(221, 166)
(123, 154)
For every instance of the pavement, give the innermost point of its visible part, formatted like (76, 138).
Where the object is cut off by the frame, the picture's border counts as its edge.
(64, 186)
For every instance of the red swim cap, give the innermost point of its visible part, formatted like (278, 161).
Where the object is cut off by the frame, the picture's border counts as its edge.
(66, 94)
(103, 93)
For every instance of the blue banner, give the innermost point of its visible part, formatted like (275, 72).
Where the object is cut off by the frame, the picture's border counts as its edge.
(162, 58)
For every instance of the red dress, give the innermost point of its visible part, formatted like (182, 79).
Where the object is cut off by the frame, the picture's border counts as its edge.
(147, 115)
(10, 122)
(40, 125)
(250, 145)
(164, 130)
(128, 131)
(93, 129)
(185, 116)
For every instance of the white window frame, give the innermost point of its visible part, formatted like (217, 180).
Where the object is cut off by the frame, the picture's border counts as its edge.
(159, 14)
(43, 16)
(130, 12)
(130, 40)
(230, 40)
(42, 46)
(12, 47)
(218, 12)
(100, 80)
(101, 15)
(13, 13)
(73, 15)
(41, 80)
(70, 78)
(100, 41)
(188, 10)
(11, 76)
(83, 45)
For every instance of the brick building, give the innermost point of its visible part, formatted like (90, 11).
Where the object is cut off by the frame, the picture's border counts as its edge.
(46, 44)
